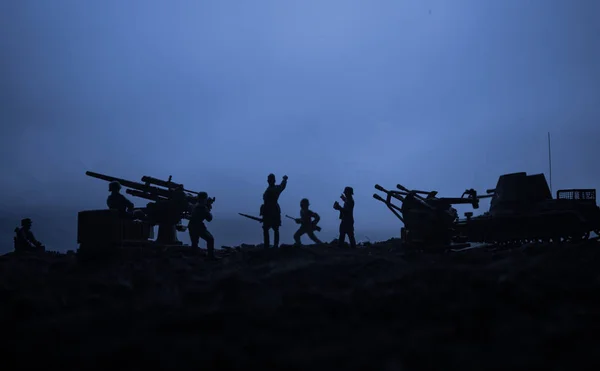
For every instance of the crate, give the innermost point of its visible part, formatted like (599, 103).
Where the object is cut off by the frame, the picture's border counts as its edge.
(107, 227)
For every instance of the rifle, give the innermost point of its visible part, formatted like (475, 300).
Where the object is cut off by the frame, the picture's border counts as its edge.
(252, 217)
(315, 227)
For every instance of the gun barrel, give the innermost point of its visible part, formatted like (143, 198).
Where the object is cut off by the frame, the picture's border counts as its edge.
(130, 184)
(380, 188)
(159, 182)
(147, 196)
(404, 189)
(165, 183)
(378, 197)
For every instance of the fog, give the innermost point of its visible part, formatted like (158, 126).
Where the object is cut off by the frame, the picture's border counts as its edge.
(435, 95)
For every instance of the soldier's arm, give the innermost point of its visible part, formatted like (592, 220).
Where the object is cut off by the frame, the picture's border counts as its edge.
(347, 209)
(316, 217)
(128, 204)
(209, 216)
(28, 237)
(34, 240)
(282, 185)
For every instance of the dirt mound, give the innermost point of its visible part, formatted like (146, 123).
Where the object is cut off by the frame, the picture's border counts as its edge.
(372, 308)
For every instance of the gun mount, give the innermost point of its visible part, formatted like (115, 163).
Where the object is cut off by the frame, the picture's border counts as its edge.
(428, 219)
(170, 203)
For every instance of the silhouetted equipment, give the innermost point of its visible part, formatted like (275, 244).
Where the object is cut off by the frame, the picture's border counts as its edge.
(522, 210)
(428, 219)
(315, 227)
(171, 203)
(252, 217)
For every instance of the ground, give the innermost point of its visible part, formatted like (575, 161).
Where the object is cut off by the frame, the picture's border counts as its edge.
(378, 307)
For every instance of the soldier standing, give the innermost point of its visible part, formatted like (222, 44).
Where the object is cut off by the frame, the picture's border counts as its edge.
(308, 223)
(270, 210)
(346, 217)
(196, 227)
(116, 201)
(25, 240)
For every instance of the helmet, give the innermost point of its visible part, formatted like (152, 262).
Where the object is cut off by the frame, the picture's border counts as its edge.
(304, 202)
(25, 222)
(348, 191)
(202, 195)
(114, 186)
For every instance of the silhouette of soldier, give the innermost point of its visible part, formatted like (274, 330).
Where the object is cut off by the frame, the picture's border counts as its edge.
(308, 223)
(196, 227)
(116, 201)
(25, 241)
(270, 210)
(346, 217)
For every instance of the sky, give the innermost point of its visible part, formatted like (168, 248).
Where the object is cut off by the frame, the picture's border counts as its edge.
(432, 94)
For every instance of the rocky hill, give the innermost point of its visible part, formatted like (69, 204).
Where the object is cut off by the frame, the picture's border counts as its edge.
(378, 307)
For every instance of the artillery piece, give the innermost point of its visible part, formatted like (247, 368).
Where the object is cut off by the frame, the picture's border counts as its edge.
(522, 210)
(170, 203)
(428, 219)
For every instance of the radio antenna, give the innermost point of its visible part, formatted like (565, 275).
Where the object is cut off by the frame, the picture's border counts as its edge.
(550, 161)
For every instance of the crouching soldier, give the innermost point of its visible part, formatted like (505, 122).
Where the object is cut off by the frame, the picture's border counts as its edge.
(25, 241)
(308, 223)
(196, 227)
(116, 200)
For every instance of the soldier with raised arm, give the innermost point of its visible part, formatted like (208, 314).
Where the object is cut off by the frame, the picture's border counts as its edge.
(346, 217)
(270, 210)
(25, 241)
(116, 200)
(308, 223)
(196, 227)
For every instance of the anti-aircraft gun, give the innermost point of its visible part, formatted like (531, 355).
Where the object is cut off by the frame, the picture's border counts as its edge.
(428, 219)
(170, 203)
(523, 210)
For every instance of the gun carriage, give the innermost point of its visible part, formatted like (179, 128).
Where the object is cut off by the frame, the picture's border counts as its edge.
(428, 220)
(170, 204)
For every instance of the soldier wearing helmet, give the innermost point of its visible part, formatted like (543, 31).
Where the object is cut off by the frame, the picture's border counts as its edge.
(25, 240)
(196, 227)
(308, 223)
(116, 201)
(270, 210)
(346, 217)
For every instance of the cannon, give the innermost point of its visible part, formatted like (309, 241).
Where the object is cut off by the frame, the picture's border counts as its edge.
(170, 204)
(522, 210)
(428, 220)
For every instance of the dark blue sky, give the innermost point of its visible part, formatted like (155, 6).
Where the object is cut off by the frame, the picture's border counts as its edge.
(442, 95)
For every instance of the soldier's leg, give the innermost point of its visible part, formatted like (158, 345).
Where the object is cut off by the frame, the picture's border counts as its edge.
(311, 235)
(193, 238)
(275, 237)
(350, 233)
(299, 234)
(342, 237)
(266, 235)
(210, 241)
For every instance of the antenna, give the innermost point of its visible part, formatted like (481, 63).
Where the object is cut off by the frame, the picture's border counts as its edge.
(550, 161)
